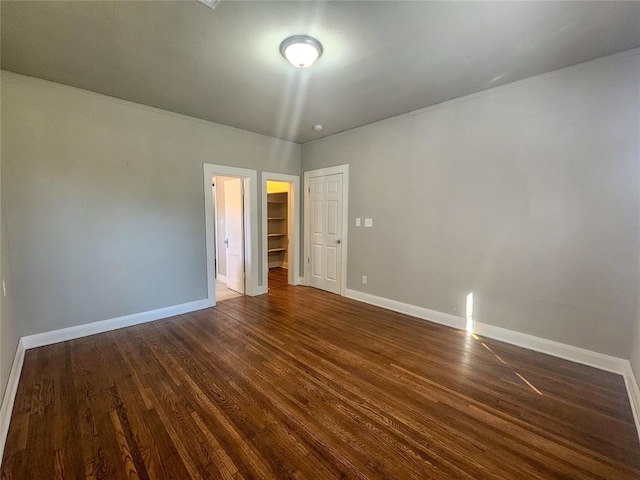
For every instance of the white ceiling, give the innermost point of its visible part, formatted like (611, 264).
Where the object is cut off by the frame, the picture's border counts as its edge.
(380, 58)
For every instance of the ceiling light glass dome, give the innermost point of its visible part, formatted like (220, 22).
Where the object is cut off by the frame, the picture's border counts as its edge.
(301, 50)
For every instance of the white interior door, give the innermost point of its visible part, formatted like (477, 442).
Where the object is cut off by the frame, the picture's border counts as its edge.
(234, 241)
(325, 198)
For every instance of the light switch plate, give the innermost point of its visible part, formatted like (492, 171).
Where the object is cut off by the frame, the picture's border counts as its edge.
(358, 223)
(364, 279)
(368, 222)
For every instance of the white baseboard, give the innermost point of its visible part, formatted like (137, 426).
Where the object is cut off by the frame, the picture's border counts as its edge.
(222, 278)
(10, 395)
(64, 334)
(261, 290)
(300, 281)
(634, 393)
(553, 348)
(556, 349)
(530, 342)
(413, 310)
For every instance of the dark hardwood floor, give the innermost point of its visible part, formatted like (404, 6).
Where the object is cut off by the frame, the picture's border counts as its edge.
(300, 383)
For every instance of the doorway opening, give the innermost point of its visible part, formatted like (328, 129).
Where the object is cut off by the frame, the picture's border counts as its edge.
(229, 257)
(244, 253)
(281, 229)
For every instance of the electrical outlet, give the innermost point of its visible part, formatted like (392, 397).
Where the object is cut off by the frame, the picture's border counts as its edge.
(364, 279)
(368, 222)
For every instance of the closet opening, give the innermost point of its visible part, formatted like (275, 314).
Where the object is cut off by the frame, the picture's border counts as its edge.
(281, 225)
(277, 232)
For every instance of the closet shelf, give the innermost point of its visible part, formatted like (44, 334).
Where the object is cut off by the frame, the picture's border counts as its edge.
(277, 214)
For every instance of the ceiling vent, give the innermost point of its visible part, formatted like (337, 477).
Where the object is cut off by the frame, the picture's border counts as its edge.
(210, 3)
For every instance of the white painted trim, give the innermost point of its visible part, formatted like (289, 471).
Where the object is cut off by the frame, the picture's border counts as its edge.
(530, 342)
(222, 278)
(71, 333)
(250, 179)
(452, 321)
(10, 394)
(262, 290)
(308, 175)
(79, 331)
(293, 225)
(613, 364)
(553, 348)
(300, 281)
(634, 394)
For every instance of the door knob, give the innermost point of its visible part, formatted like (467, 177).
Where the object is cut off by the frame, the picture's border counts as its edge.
(338, 242)
(226, 242)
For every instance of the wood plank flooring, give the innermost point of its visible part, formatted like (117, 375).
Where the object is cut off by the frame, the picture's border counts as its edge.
(300, 383)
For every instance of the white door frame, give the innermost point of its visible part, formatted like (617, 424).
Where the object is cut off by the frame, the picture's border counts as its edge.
(250, 180)
(293, 226)
(308, 175)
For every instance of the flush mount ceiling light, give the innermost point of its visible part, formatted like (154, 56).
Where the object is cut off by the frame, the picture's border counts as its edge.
(301, 50)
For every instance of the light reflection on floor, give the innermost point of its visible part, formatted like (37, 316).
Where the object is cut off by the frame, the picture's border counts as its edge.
(527, 382)
(469, 329)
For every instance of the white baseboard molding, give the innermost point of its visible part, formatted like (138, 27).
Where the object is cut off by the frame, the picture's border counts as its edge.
(413, 310)
(261, 290)
(222, 278)
(530, 342)
(64, 334)
(300, 281)
(55, 336)
(10, 395)
(556, 349)
(553, 348)
(634, 394)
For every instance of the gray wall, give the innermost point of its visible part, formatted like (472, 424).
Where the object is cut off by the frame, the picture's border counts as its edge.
(8, 326)
(526, 195)
(105, 201)
(634, 358)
